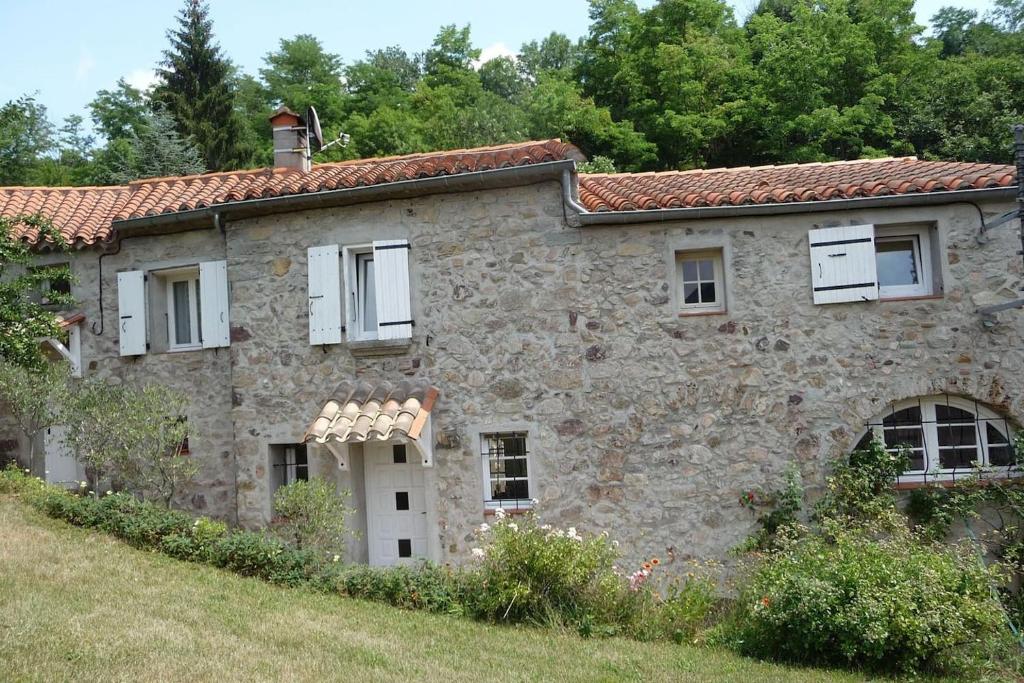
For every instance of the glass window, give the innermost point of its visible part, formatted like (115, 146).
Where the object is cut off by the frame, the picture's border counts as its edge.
(945, 436)
(506, 465)
(903, 262)
(184, 315)
(288, 463)
(700, 281)
(367, 293)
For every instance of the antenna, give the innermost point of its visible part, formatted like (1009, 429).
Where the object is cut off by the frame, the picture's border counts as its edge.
(313, 123)
(342, 140)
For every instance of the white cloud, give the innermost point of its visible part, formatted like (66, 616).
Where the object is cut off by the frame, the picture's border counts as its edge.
(492, 51)
(86, 63)
(141, 79)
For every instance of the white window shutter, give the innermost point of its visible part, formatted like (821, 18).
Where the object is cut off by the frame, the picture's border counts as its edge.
(131, 311)
(391, 276)
(843, 264)
(213, 302)
(324, 295)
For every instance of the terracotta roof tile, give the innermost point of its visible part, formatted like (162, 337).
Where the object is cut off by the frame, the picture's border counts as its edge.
(790, 183)
(84, 215)
(363, 411)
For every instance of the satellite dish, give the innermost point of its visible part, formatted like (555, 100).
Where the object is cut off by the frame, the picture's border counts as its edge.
(313, 123)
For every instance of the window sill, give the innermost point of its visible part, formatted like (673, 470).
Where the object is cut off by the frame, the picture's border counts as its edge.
(923, 297)
(950, 483)
(701, 314)
(183, 349)
(521, 510)
(378, 347)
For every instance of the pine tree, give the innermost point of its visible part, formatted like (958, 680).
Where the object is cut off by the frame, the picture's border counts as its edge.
(158, 151)
(196, 88)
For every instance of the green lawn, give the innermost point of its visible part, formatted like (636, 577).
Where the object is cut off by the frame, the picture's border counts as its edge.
(78, 605)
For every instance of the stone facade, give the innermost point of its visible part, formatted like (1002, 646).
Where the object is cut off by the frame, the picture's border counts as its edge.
(643, 423)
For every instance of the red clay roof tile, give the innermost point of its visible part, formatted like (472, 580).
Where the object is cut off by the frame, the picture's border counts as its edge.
(84, 215)
(790, 183)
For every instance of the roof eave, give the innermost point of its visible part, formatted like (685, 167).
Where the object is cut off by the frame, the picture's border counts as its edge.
(886, 201)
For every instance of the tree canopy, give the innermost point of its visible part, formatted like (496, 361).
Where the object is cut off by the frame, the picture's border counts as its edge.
(681, 84)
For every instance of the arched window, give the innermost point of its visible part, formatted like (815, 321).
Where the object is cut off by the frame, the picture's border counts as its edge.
(946, 437)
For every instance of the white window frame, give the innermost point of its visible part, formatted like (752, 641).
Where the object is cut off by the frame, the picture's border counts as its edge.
(355, 316)
(921, 237)
(932, 451)
(191, 276)
(718, 262)
(491, 503)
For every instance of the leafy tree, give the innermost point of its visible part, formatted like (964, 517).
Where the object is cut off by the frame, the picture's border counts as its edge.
(554, 54)
(501, 77)
(195, 86)
(311, 515)
(119, 113)
(386, 78)
(26, 135)
(155, 432)
(34, 398)
(133, 435)
(23, 319)
(159, 151)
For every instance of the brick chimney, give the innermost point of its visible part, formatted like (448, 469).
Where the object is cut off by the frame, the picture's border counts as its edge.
(291, 142)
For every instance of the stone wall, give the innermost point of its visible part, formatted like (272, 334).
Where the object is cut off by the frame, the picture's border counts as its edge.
(648, 425)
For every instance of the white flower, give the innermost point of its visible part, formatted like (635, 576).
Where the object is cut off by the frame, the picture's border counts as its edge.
(499, 514)
(110, 493)
(484, 528)
(615, 544)
(545, 527)
(478, 553)
(513, 526)
(82, 485)
(336, 558)
(534, 501)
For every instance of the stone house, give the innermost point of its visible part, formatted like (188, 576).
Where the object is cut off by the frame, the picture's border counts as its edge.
(444, 334)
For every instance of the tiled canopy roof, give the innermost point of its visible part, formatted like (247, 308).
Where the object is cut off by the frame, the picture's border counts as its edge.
(84, 215)
(779, 184)
(361, 411)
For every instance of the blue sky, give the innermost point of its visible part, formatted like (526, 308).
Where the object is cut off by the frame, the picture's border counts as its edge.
(67, 50)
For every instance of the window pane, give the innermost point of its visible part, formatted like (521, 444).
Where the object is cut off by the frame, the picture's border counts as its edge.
(509, 490)
(908, 437)
(707, 292)
(896, 262)
(690, 293)
(915, 461)
(199, 313)
(514, 446)
(367, 292)
(1000, 454)
(690, 271)
(182, 318)
(907, 416)
(944, 413)
(707, 269)
(514, 468)
(958, 458)
(957, 435)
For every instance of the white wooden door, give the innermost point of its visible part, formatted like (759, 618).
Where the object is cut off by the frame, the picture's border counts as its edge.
(396, 509)
(61, 467)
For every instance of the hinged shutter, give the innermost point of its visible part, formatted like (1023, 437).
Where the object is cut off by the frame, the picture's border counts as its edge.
(213, 304)
(131, 311)
(324, 295)
(391, 277)
(843, 264)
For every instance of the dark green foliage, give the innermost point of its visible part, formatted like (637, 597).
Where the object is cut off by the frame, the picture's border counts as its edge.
(23, 318)
(196, 87)
(426, 586)
(894, 604)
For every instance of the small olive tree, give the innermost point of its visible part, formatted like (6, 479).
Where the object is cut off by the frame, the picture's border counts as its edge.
(134, 434)
(34, 398)
(312, 515)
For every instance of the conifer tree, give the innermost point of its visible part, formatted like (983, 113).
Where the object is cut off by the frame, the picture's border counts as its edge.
(196, 88)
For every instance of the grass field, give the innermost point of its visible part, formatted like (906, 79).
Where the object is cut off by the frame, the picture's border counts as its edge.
(78, 605)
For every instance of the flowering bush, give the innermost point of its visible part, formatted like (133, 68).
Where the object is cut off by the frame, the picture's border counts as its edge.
(535, 573)
(854, 600)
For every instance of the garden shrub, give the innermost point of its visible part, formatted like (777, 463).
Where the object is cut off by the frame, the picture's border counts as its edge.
(311, 515)
(894, 603)
(425, 586)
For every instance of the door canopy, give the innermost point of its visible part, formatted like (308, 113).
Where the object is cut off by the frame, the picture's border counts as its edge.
(358, 412)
